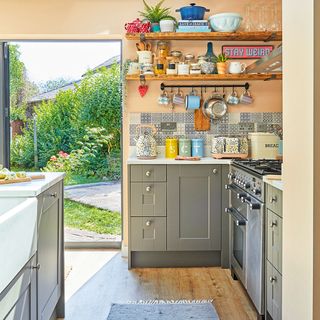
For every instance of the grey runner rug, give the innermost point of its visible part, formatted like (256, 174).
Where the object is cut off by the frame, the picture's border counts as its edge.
(173, 311)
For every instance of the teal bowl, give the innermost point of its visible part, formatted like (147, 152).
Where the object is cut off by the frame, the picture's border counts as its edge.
(225, 22)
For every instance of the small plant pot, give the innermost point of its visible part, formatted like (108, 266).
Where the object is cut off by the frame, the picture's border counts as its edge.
(222, 67)
(17, 126)
(167, 25)
(155, 27)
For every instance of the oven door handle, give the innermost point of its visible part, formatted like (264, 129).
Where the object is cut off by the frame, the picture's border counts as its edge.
(238, 191)
(236, 216)
(252, 206)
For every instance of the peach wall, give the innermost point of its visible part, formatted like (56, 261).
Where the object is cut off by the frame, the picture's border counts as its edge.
(101, 19)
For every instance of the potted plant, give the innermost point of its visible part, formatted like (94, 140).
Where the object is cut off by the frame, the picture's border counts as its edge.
(159, 17)
(17, 117)
(222, 63)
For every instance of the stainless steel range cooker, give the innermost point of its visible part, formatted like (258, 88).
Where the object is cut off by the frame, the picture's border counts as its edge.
(247, 201)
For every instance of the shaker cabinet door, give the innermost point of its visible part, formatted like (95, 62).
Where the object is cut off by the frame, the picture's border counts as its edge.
(193, 207)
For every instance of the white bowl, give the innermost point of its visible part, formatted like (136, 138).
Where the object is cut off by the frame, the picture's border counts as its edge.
(225, 22)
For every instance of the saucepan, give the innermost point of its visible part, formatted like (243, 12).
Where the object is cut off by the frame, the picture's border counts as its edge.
(215, 107)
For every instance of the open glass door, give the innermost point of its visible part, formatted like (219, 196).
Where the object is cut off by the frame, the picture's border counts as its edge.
(4, 106)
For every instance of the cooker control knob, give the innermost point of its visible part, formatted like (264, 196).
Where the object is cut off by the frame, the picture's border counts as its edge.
(231, 175)
(247, 185)
(256, 191)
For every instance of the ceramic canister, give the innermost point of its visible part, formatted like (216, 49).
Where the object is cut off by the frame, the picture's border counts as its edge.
(197, 147)
(185, 147)
(171, 148)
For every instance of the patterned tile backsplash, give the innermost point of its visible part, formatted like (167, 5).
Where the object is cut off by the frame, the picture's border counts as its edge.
(228, 125)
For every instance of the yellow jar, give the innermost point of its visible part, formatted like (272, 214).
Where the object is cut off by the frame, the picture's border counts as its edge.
(171, 148)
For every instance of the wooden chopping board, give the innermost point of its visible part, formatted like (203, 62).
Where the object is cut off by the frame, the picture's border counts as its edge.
(26, 179)
(201, 122)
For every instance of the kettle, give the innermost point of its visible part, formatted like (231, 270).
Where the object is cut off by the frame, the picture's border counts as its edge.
(146, 146)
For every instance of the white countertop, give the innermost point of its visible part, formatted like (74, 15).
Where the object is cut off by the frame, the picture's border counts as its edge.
(33, 188)
(275, 183)
(205, 160)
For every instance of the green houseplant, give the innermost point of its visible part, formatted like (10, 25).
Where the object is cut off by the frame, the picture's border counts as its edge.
(222, 63)
(156, 14)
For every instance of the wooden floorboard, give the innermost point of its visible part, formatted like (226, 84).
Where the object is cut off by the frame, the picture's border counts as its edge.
(115, 283)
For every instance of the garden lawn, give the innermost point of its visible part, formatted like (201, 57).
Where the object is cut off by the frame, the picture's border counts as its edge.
(84, 217)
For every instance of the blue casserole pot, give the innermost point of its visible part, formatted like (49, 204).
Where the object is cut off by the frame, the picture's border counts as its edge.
(192, 12)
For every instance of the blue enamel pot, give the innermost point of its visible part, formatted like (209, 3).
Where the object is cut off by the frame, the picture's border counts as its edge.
(192, 12)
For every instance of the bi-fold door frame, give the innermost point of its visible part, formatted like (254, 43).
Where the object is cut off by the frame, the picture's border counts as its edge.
(4, 106)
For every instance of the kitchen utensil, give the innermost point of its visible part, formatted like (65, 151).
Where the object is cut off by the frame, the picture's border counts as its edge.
(225, 22)
(178, 98)
(246, 97)
(192, 12)
(192, 101)
(16, 180)
(145, 56)
(236, 67)
(188, 158)
(215, 107)
(233, 98)
(197, 146)
(185, 147)
(201, 122)
(171, 148)
(146, 146)
(167, 25)
(164, 98)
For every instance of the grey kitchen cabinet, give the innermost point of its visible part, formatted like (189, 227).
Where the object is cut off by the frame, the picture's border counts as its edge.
(148, 199)
(50, 253)
(274, 292)
(19, 300)
(274, 253)
(193, 207)
(148, 173)
(274, 240)
(149, 234)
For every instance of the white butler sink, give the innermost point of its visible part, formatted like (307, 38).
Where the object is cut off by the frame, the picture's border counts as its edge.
(18, 236)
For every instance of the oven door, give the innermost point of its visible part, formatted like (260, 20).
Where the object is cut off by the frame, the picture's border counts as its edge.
(238, 212)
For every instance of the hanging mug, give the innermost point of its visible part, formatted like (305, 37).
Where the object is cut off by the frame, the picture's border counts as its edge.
(246, 97)
(178, 98)
(233, 98)
(236, 67)
(192, 101)
(164, 98)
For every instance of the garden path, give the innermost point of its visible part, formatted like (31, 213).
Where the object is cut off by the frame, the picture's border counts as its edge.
(103, 195)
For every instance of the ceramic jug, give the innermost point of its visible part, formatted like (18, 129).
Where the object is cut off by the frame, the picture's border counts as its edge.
(146, 146)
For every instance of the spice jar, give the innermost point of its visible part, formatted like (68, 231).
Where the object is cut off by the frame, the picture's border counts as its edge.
(163, 49)
(176, 55)
(183, 68)
(172, 67)
(195, 68)
(189, 58)
(160, 65)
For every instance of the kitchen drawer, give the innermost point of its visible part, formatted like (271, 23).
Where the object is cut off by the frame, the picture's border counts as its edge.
(148, 199)
(274, 200)
(274, 240)
(148, 234)
(48, 197)
(148, 173)
(274, 292)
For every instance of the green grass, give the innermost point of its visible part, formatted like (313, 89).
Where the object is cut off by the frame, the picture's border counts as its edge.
(84, 217)
(77, 179)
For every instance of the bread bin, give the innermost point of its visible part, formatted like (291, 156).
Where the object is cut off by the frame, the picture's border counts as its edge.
(263, 145)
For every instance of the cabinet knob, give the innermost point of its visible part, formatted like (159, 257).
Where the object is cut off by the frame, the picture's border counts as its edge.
(215, 171)
(273, 224)
(53, 195)
(273, 279)
(148, 223)
(148, 173)
(273, 199)
(148, 188)
(36, 267)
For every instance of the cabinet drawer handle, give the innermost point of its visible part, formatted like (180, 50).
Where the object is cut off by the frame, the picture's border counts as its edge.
(148, 223)
(273, 199)
(148, 173)
(215, 171)
(273, 224)
(53, 195)
(148, 188)
(273, 279)
(36, 267)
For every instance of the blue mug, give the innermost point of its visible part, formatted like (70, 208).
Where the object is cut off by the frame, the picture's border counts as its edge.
(192, 101)
(197, 146)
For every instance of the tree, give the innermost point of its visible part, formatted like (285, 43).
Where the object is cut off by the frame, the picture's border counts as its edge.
(53, 84)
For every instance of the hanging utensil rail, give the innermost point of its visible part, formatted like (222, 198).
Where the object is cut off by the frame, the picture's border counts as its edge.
(202, 86)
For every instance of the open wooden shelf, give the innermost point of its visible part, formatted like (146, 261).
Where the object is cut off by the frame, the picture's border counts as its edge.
(209, 77)
(218, 36)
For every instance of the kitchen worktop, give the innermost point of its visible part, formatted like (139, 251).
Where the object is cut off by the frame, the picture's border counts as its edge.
(33, 188)
(275, 183)
(205, 160)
